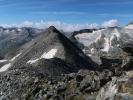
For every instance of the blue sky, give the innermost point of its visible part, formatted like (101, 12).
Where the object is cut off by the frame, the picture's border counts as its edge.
(68, 11)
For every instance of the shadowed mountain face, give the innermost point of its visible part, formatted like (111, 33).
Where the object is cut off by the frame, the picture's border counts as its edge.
(128, 47)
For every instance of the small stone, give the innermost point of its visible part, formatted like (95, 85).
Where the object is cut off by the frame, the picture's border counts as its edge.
(36, 80)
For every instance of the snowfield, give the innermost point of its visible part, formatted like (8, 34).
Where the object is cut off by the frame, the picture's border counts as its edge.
(16, 56)
(105, 40)
(3, 60)
(106, 45)
(50, 54)
(5, 67)
(32, 61)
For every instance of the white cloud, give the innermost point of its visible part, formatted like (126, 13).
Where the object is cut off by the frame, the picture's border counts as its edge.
(60, 13)
(27, 24)
(59, 25)
(67, 27)
(111, 23)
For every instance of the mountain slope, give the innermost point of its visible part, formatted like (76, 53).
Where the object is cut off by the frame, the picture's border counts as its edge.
(53, 52)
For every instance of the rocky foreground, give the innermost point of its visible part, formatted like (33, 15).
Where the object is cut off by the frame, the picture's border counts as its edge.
(28, 84)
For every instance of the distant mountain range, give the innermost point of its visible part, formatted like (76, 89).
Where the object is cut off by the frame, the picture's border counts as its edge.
(105, 41)
(11, 38)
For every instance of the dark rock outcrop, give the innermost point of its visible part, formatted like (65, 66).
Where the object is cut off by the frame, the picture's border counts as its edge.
(128, 61)
(128, 48)
(83, 31)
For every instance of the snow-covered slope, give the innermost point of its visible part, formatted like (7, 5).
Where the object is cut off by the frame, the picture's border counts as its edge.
(129, 26)
(105, 41)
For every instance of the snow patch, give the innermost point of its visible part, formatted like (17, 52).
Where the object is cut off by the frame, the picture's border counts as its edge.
(92, 51)
(32, 61)
(89, 55)
(45, 55)
(88, 38)
(16, 56)
(106, 45)
(112, 37)
(5, 67)
(4, 60)
(19, 29)
(129, 27)
(118, 45)
(116, 32)
(49, 54)
(112, 90)
(98, 38)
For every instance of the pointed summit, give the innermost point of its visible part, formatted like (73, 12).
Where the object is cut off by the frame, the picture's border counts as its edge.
(52, 29)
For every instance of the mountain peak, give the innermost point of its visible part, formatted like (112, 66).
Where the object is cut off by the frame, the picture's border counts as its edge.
(131, 23)
(52, 29)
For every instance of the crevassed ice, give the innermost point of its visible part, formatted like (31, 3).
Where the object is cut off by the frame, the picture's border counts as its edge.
(45, 55)
(5, 67)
